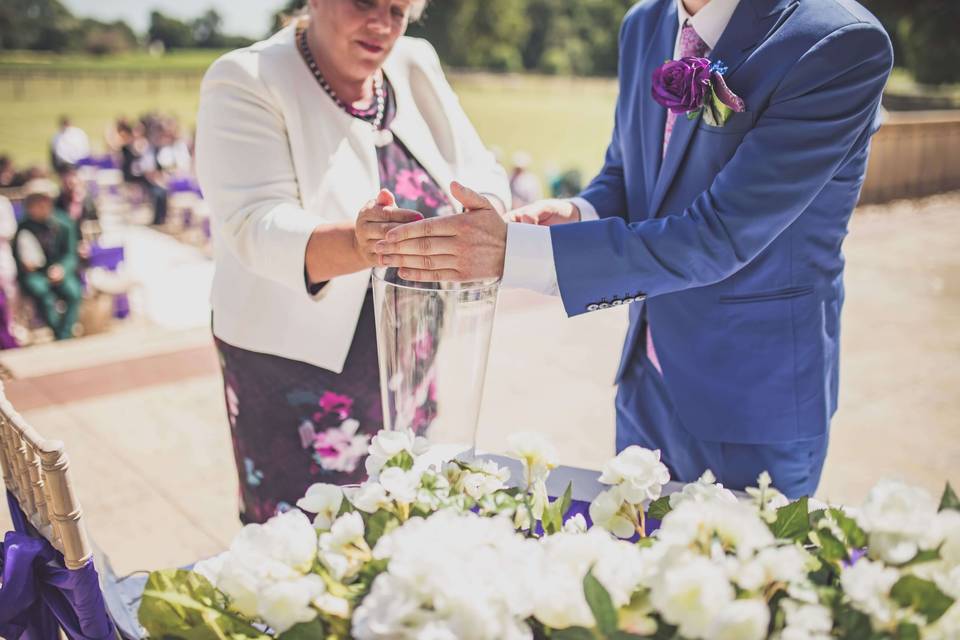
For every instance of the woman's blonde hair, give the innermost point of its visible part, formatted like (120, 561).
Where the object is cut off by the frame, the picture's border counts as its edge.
(417, 8)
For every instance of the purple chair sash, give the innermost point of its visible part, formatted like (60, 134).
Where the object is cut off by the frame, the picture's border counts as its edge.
(39, 595)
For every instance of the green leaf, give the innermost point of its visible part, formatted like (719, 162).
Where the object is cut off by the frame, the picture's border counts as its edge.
(715, 113)
(404, 460)
(601, 605)
(573, 633)
(377, 524)
(949, 499)
(566, 501)
(923, 596)
(183, 604)
(908, 631)
(928, 555)
(659, 508)
(852, 624)
(693, 115)
(832, 550)
(793, 521)
(856, 538)
(304, 631)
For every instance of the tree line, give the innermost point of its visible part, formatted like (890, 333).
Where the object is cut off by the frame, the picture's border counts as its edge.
(48, 25)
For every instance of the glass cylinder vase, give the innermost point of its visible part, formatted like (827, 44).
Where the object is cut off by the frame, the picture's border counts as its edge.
(433, 340)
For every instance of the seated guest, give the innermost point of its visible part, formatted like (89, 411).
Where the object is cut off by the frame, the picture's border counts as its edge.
(69, 146)
(45, 250)
(136, 168)
(80, 207)
(8, 174)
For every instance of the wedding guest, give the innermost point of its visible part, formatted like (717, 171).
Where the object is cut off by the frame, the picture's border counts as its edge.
(295, 136)
(69, 146)
(137, 171)
(8, 174)
(525, 186)
(45, 250)
(74, 199)
(8, 274)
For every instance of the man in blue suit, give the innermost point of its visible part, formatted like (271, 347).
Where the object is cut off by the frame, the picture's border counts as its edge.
(724, 240)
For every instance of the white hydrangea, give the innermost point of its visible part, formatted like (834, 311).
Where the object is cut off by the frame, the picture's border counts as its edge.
(705, 489)
(742, 620)
(447, 577)
(559, 599)
(737, 526)
(691, 592)
(900, 520)
(325, 501)
(386, 444)
(639, 474)
(867, 586)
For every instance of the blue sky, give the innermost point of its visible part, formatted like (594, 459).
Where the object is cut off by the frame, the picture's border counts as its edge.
(241, 17)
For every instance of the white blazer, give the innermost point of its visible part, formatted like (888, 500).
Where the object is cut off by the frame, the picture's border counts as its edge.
(276, 157)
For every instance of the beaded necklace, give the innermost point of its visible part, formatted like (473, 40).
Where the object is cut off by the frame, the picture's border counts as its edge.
(374, 115)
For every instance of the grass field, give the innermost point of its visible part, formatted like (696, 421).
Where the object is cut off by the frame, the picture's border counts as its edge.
(562, 123)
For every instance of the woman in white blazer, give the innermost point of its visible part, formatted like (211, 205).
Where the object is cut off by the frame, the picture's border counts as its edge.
(335, 116)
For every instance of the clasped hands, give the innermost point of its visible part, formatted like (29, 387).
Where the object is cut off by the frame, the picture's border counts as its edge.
(458, 248)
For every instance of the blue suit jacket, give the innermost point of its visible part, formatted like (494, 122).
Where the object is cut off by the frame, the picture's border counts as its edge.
(734, 238)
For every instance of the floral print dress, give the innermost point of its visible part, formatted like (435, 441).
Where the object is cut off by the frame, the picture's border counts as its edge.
(294, 424)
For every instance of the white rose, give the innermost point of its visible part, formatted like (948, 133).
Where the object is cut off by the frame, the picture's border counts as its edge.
(742, 620)
(324, 500)
(638, 472)
(370, 497)
(285, 604)
(401, 485)
(900, 520)
(867, 585)
(704, 489)
(538, 455)
(691, 593)
(605, 513)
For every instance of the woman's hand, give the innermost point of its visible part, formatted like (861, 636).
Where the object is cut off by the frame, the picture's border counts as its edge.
(546, 213)
(374, 221)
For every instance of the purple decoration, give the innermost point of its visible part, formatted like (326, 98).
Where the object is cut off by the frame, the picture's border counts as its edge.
(724, 94)
(682, 85)
(39, 595)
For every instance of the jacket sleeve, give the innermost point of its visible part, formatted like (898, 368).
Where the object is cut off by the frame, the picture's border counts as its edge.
(246, 172)
(822, 113)
(476, 164)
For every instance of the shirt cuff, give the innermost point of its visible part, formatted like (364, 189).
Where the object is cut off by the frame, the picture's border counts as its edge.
(587, 211)
(529, 259)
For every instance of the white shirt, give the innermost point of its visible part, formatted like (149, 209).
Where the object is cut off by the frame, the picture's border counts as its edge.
(529, 257)
(71, 145)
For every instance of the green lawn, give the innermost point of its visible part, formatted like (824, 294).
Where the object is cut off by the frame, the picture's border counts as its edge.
(562, 123)
(179, 60)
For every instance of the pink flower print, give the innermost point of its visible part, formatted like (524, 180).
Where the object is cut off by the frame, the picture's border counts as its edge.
(333, 403)
(340, 448)
(307, 434)
(233, 405)
(409, 184)
(423, 347)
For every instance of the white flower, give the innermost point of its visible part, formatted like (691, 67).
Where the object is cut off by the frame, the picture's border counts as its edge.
(289, 539)
(243, 576)
(787, 564)
(691, 593)
(605, 513)
(324, 500)
(452, 575)
(638, 472)
(742, 620)
(575, 524)
(899, 520)
(867, 585)
(400, 484)
(483, 479)
(538, 455)
(338, 546)
(333, 605)
(947, 627)
(285, 604)
(559, 599)
(386, 444)
(736, 526)
(806, 621)
(704, 489)
(211, 568)
(369, 497)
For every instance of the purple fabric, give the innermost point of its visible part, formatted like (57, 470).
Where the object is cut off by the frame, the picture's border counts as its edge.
(39, 595)
(7, 341)
(107, 257)
(121, 306)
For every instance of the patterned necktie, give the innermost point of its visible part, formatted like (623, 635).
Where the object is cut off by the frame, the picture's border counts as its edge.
(691, 46)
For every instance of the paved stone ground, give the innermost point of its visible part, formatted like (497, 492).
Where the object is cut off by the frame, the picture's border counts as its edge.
(141, 408)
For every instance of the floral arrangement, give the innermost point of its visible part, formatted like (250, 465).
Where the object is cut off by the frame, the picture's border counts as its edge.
(693, 86)
(455, 552)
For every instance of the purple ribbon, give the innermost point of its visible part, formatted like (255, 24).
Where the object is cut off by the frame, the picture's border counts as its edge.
(39, 595)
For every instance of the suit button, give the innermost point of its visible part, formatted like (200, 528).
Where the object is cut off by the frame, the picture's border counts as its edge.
(604, 305)
(593, 307)
(616, 303)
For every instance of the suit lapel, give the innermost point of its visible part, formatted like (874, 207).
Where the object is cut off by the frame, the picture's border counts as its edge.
(752, 22)
(653, 117)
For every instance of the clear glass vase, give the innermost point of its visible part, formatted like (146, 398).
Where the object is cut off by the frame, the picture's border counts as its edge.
(433, 340)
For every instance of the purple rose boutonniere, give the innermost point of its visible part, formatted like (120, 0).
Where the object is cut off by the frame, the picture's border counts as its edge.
(694, 86)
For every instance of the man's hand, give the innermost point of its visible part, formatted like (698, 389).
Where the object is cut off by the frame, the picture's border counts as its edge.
(374, 221)
(458, 248)
(55, 273)
(546, 213)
